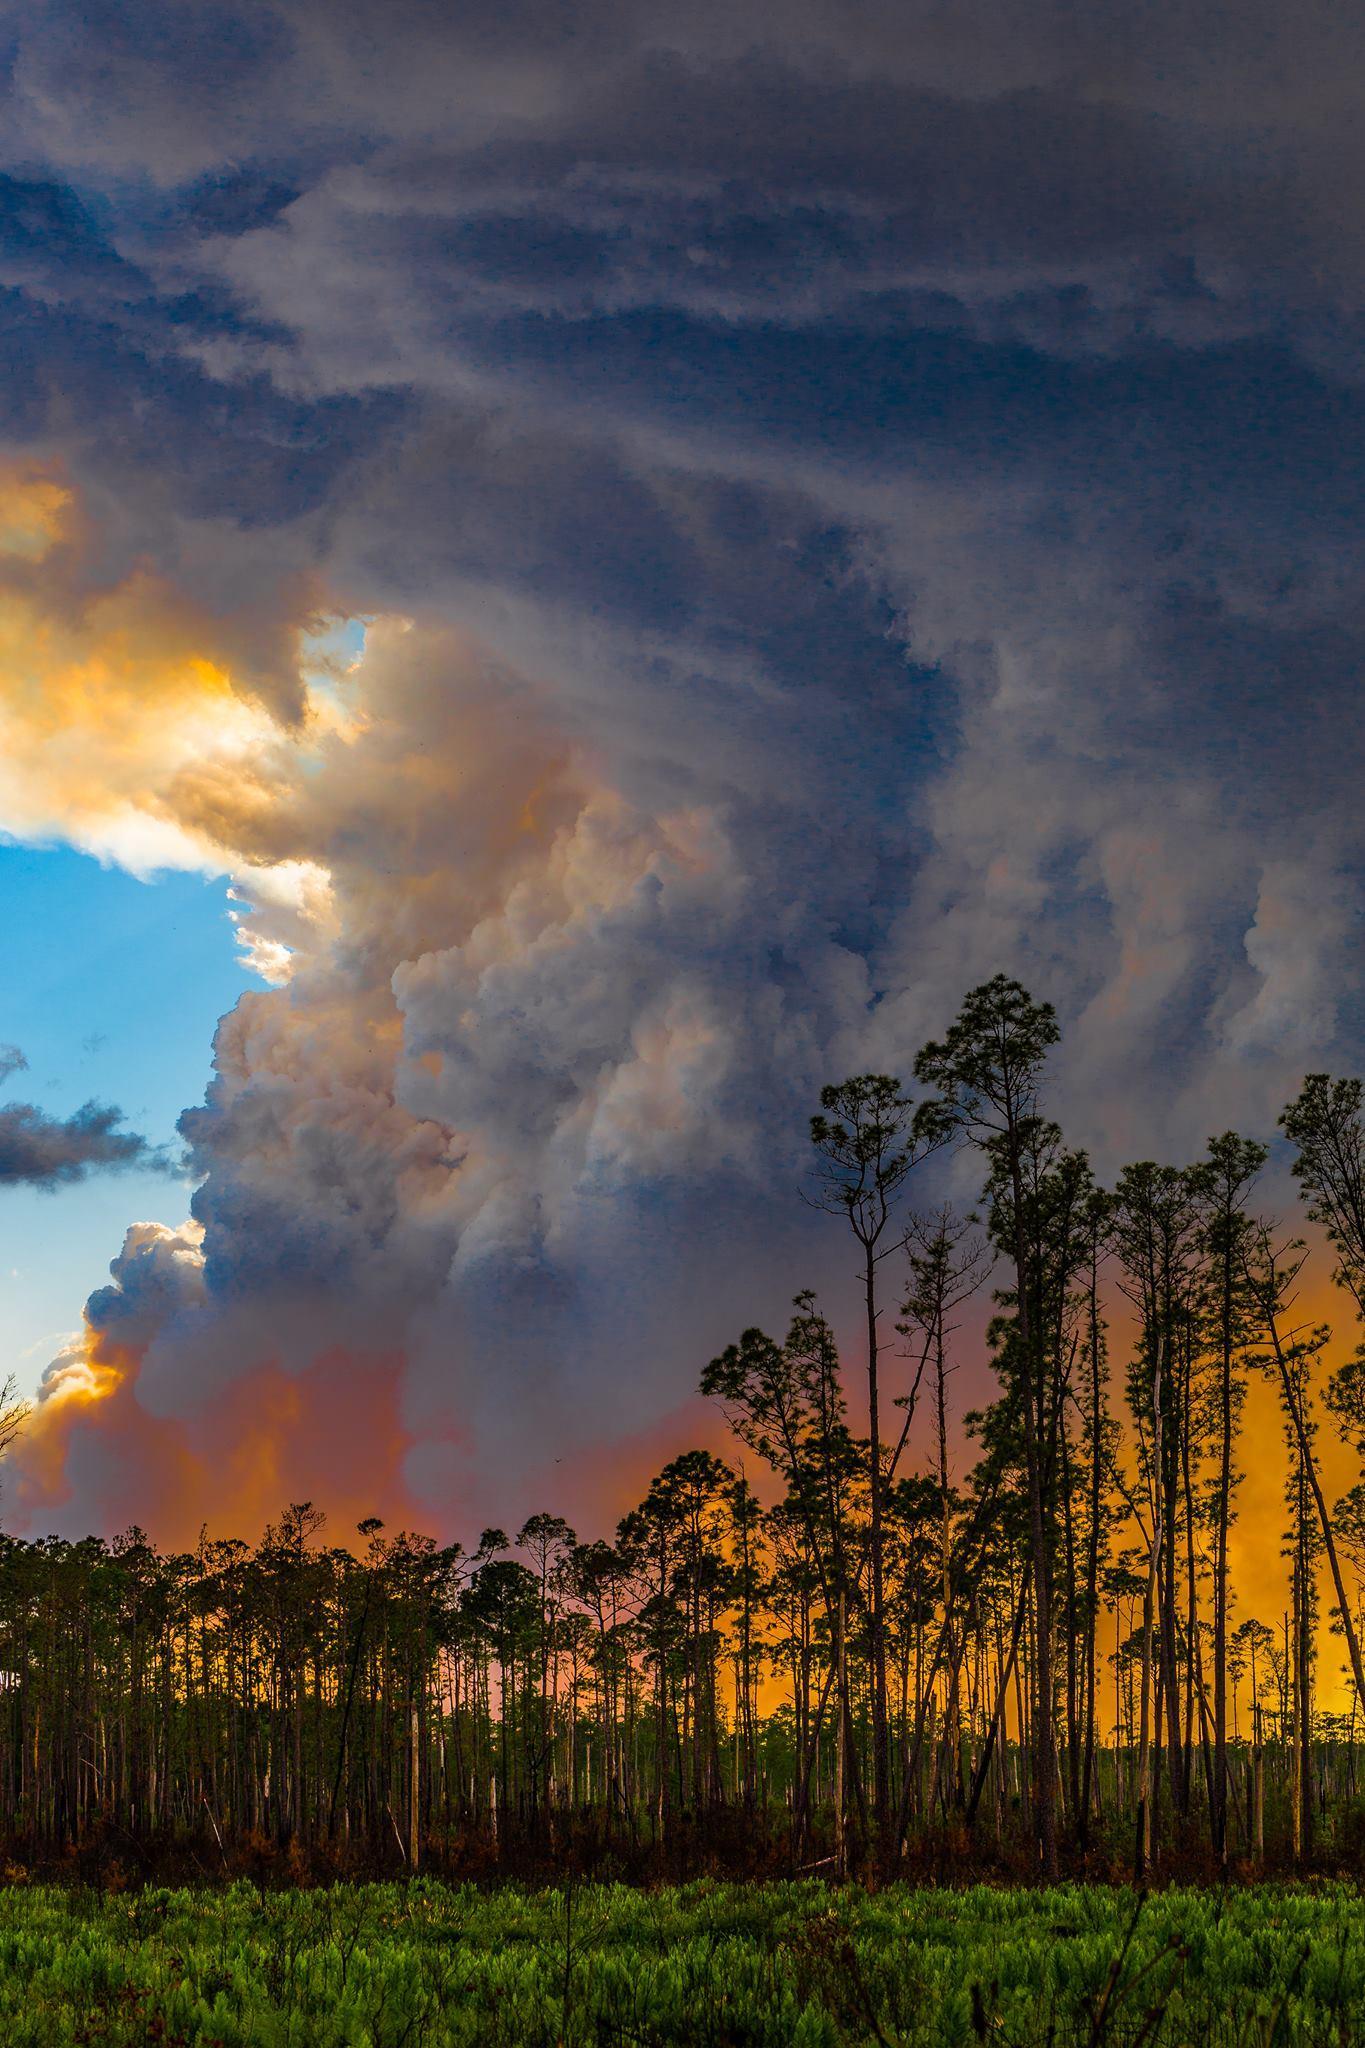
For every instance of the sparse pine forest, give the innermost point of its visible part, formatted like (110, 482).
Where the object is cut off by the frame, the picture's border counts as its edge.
(879, 1638)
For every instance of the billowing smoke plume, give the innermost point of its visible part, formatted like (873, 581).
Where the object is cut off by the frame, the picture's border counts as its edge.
(842, 500)
(522, 1022)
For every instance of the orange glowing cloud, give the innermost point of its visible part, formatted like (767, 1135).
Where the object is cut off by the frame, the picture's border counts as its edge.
(94, 1456)
(108, 691)
(596, 1487)
(134, 724)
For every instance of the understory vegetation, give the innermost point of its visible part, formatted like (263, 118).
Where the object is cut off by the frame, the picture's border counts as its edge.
(789, 1965)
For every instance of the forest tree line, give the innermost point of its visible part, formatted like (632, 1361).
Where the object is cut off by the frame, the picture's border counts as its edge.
(826, 1649)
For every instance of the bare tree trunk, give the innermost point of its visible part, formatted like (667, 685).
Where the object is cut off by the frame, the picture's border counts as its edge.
(414, 1784)
(881, 1746)
(841, 1744)
(1143, 1851)
(1044, 1732)
(1219, 1816)
(1295, 1409)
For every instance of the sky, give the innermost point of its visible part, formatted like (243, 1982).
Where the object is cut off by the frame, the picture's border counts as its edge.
(570, 575)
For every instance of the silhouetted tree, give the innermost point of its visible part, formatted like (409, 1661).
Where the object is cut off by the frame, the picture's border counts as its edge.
(865, 1137)
(987, 1071)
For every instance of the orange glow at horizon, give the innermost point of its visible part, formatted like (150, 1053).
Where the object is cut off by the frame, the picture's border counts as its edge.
(338, 1420)
(330, 1434)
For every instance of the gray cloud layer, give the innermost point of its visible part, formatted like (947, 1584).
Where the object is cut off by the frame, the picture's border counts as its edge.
(42, 1151)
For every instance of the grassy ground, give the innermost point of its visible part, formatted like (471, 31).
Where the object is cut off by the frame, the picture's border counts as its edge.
(426, 1965)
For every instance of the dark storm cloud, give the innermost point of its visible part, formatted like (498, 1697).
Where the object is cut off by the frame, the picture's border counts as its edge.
(784, 358)
(41, 1151)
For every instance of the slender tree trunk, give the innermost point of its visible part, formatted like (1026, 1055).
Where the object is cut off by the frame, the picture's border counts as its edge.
(841, 1743)
(1219, 1818)
(1092, 1560)
(1033, 1406)
(1295, 1408)
(881, 1747)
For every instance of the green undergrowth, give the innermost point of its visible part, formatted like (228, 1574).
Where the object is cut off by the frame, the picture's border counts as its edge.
(795, 1965)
